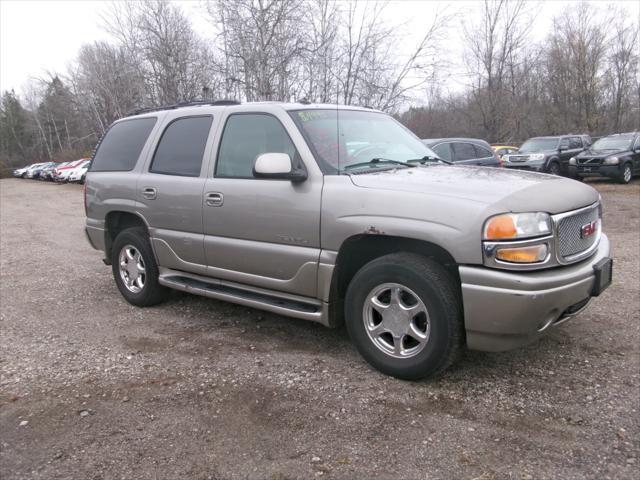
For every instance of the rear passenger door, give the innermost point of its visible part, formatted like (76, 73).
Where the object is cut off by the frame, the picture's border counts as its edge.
(575, 147)
(170, 192)
(485, 157)
(464, 153)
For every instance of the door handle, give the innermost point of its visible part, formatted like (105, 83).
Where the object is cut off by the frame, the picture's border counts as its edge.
(214, 199)
(150, 193)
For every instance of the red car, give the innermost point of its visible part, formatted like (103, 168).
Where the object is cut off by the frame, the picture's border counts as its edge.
(60, 174)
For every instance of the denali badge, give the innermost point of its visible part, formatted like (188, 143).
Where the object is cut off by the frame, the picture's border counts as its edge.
(588, 229)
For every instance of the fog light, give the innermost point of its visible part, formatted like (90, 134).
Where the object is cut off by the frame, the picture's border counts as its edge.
(532, 254)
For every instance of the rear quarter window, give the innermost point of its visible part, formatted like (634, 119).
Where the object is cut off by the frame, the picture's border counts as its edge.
(121, 146)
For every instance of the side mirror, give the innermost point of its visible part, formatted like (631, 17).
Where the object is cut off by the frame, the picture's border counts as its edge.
(277, 166)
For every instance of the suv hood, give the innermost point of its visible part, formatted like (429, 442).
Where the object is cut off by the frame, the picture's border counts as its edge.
(601, 153)
(509, 190)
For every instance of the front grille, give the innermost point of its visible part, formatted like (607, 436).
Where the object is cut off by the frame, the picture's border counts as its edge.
(570, 240)
(589, 161)
(518, 158)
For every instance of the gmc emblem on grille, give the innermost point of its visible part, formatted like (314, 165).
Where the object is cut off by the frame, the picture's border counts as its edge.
(588, 229)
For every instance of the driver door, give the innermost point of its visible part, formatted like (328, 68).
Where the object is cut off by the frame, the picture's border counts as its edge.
(262, 232)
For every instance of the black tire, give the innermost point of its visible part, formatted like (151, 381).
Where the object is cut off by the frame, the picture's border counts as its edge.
(554, 168)
(439, 293)
(626, 173)
(151, 292)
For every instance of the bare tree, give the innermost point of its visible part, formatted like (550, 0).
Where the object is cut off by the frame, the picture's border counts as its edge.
(172, 60)
(261, 41)
(495, 42)
(622, 73)
(574, 61)
(106, 83)
(322, 19)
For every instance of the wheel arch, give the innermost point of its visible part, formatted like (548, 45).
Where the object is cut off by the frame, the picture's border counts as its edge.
(358, 250)
(553, 159)
(117, 221)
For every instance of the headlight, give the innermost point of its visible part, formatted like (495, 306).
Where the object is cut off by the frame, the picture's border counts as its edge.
(611, 161)
(536, 156)
(572, 161)
(511, 226)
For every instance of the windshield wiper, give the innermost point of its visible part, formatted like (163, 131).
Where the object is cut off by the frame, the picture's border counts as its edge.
(376, 161)
(428, 159)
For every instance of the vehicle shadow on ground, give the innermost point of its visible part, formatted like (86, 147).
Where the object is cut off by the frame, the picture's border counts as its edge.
(207, 323)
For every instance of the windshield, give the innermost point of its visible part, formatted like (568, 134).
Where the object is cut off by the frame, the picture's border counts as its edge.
(618, 142)
(349, 137)
(539, 145)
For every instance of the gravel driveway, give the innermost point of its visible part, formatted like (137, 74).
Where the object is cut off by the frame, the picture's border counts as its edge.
(94, 388)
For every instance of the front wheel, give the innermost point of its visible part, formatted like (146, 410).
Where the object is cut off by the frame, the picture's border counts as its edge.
(134, 268)
(626, 174)
(554, 168)
(404, 315)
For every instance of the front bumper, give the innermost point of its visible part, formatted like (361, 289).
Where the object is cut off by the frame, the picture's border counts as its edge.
(505, 310)
(531, 165)
(611, 171)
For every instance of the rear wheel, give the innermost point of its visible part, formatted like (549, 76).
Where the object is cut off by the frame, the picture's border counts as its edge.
(626, 174)
(404, 316)
(134, 268)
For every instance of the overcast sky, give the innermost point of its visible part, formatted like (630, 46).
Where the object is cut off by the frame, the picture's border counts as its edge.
(41, 36)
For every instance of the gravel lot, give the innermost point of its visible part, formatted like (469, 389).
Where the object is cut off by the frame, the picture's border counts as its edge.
(94, 388)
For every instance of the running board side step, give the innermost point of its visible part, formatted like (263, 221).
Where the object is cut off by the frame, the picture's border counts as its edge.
(276, 302)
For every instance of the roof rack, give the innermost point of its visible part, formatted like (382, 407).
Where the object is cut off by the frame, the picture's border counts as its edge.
(190, 103)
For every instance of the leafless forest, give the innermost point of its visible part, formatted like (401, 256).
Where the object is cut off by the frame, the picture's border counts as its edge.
(582, 77)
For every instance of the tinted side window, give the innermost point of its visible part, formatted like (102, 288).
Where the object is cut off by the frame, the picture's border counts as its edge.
(245, 137)
(575, 142)
(482, 152)
(120, 148)
(564, 143)
(181, 147)
(463, 151)
(444, 151)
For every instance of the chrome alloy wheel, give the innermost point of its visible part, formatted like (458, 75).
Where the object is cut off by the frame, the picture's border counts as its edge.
(626, 173)
(132, 269)
(396, 320)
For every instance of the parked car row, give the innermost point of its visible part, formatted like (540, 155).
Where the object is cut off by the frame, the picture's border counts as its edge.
(615, 156)
(62, 172)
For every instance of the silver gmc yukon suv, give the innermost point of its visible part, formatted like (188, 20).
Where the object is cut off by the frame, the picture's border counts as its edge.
(340, 214)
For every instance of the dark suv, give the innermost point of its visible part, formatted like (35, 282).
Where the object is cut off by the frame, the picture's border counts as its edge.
(547, 154)
(616, 156)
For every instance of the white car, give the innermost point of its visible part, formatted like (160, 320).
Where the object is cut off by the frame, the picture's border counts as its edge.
(24, 171)
(77, 174)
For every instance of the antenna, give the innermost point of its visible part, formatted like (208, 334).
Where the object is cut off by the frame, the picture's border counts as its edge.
(338, 130)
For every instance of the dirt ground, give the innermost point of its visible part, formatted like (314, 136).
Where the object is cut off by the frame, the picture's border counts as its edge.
(94, 388)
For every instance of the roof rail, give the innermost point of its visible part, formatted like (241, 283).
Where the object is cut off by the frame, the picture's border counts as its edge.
(190, 103)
